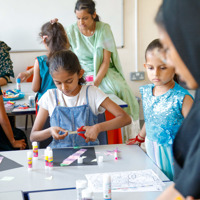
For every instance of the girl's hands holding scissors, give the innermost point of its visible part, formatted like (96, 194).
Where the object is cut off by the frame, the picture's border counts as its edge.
(91, 133)
(55, 133)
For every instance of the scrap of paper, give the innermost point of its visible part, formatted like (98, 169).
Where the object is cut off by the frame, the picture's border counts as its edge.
(73, 157)
(7, 178)
(129, 181)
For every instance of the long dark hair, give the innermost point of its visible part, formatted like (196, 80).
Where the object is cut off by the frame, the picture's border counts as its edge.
(56, 39)
(66, 60)
(88, 5)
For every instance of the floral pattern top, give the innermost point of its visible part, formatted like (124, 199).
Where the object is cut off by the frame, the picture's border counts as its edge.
(6, 67)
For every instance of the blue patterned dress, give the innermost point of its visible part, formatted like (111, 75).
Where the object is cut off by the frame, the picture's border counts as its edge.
(163, 117)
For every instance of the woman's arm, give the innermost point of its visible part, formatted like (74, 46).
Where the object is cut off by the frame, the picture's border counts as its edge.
(5, 124)
(187, 104)
(121, 119)
(25, 75)
(36, 83)
(38, 134)
(3, 81)
(103, 67)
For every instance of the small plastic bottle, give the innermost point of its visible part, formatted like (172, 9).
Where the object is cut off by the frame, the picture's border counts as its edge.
(106, 187)
(18, 80)
(50, 159)
(89, 80)
(80, 185)
(35, 150)
(87, 194)
(29, 158)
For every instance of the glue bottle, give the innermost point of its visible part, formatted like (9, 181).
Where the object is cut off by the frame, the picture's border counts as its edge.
(87, 194)
(29, 158)
(18, 80)
(80, 186)
(89, 80)
(50, 159)
(35, 149)
(106, 187)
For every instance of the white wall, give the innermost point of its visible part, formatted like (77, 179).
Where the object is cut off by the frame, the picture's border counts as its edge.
(147, 31)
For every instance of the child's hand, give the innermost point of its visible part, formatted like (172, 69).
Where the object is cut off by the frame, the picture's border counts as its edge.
(137, 140)
(19, 144)
(91, 133)
(55, 133)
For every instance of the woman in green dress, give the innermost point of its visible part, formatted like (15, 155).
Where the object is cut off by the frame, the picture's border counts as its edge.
(93, 42)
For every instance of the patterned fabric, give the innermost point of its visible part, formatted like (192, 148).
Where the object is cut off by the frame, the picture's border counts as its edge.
(162, 113)
(90, 53)
(6, 68)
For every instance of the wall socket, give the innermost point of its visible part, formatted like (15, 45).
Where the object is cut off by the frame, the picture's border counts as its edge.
(136, 76)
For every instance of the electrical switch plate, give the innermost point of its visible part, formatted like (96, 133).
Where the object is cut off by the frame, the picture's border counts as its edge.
(136, 76)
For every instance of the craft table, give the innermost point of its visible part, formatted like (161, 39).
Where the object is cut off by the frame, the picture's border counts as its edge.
(26, 88)
(16, 195)
(71, 194)
(131, 158)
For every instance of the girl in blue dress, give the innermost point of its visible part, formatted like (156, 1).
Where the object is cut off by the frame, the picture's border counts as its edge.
(165, 105)
(73, 105)
(54, 39)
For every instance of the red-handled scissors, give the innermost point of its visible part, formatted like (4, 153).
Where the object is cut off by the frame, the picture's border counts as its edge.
(79, 131)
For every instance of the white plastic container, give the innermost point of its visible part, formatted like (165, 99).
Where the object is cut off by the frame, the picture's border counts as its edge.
(106, 187)
(87, 194)
(31, 100)
(80, 185)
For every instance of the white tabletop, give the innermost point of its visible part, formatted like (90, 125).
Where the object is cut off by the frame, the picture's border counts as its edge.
(71, 194)
(16, 195)
(131, 158)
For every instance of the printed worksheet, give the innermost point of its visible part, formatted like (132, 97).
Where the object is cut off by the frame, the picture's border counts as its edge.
(128, 181)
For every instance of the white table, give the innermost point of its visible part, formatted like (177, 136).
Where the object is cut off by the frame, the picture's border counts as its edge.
(71, 194)
(13, 195)
(26, 88)
(131, 158)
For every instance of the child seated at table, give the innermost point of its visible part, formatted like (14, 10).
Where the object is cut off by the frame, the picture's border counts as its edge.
(165, 105)
(8, 140)
(73, 105)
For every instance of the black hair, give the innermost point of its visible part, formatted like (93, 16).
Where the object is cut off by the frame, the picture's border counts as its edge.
(157, 44)
(88, 5)
(159, 19)
(56, 37)
(66, 60)
(153, 45)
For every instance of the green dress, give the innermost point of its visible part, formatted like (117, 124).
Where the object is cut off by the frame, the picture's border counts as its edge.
(89, 50)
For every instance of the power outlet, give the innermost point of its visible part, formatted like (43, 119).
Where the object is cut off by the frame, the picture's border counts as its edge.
(136, 76)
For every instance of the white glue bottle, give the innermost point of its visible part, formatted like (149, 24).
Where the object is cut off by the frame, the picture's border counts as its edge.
(50, 159)
(35, 150)
(87, 194)
(80, 185)
(18, 80)
(29, 159)
(106, 187)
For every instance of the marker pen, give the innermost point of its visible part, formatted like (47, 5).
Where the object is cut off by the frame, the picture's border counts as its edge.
(115, 154)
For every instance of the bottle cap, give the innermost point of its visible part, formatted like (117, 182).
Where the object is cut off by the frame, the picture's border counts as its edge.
(29, 154)
(86, 193)
(48, 148)
(34, 144)
(81, 184)
(106, 178)
(18, 80)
